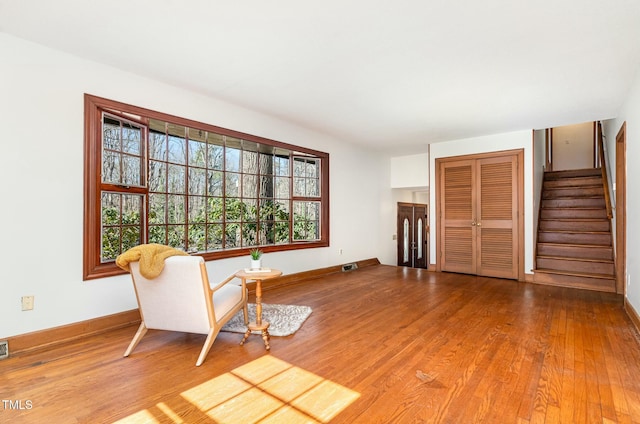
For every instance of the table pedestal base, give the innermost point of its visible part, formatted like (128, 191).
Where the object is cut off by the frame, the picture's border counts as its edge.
(263, 328)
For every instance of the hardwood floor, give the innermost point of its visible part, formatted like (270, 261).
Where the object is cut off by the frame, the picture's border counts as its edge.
(383, 345)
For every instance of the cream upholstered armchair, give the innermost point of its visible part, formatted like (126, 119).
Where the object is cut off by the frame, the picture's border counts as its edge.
(181, 299)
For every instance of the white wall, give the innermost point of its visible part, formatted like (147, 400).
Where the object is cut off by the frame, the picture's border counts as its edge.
(41, 169)
(572, 147)
(629, 113)
(496, 142)
(410, 171)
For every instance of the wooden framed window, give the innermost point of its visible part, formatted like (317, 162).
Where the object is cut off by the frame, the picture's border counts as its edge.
(156, 178)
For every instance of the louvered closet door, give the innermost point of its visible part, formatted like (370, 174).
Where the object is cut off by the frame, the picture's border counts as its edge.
(458, 248)
(478, 216)
(496, 217)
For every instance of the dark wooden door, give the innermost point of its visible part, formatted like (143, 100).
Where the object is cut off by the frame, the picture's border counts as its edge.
(412, 235)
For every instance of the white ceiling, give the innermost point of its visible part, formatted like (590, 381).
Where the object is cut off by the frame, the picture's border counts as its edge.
(392, 75)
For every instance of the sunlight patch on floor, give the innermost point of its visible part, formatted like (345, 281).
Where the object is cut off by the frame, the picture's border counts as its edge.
(265, 390)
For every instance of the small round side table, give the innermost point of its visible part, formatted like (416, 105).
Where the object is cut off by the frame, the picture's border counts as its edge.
(258, 324)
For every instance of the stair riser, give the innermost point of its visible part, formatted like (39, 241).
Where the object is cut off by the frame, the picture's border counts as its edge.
(574, 173)
(573, 192)
(546, 225)
(598, 284)
(575, 214)
(588, 202)
(576, 266)
(573, 182)
(575, 238)
(605, 253)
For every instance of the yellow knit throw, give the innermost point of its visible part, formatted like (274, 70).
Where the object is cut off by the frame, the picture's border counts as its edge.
(151, 258)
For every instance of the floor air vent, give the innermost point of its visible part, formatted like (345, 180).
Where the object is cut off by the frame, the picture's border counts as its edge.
(4, 349)
(349, 267)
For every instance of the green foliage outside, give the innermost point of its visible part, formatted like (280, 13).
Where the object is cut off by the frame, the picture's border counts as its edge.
(205, 231)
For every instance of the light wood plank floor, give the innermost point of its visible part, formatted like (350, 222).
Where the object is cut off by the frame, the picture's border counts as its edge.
(383, 345)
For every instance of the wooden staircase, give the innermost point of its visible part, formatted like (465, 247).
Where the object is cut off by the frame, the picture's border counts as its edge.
(575, 246)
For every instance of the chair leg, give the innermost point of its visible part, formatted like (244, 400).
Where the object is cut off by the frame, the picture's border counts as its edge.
(211, 337)
(142, 330)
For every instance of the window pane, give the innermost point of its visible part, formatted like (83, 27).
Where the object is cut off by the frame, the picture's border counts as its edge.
(266, 164)
(233, 209)
(157, 176)
(110, 167)
(157, 142)
(419, 228)
(267, 210)
(110, 133)
(249, 234)
(176, 209)
(158, 234)
(214, 236)
(266, 235)
(131, 139)
(197, 238)
(131, 237)
(250, 160)
(214, 183)
(197, 150)
(197, 209)
(215, 151)
(232, 236)
(232, 154)
(157, 208)
(232, 186)
(177, 144)
(110, 244)
(249, 185)
(121, 226)
(176, 179)
(299, 167)
(312, 188)
(281, 233)
(197, 181)
(197, 153)
(266, 186)
(215, 209)
(249, 209)
(311, 169)
(405, 240)
(132, 170)
(281, 211)
(110, 208)
(299, 186)
(281, 189)
(281, 166)
(175, 236)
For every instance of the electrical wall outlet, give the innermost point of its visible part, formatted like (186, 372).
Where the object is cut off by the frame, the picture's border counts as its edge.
(27, 303)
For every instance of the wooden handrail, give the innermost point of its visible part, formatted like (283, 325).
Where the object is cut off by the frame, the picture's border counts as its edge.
(603, 168)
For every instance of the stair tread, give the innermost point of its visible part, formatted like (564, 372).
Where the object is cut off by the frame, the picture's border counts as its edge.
(574, 232)
(575, 219)
(575, 258)
(598, 246)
